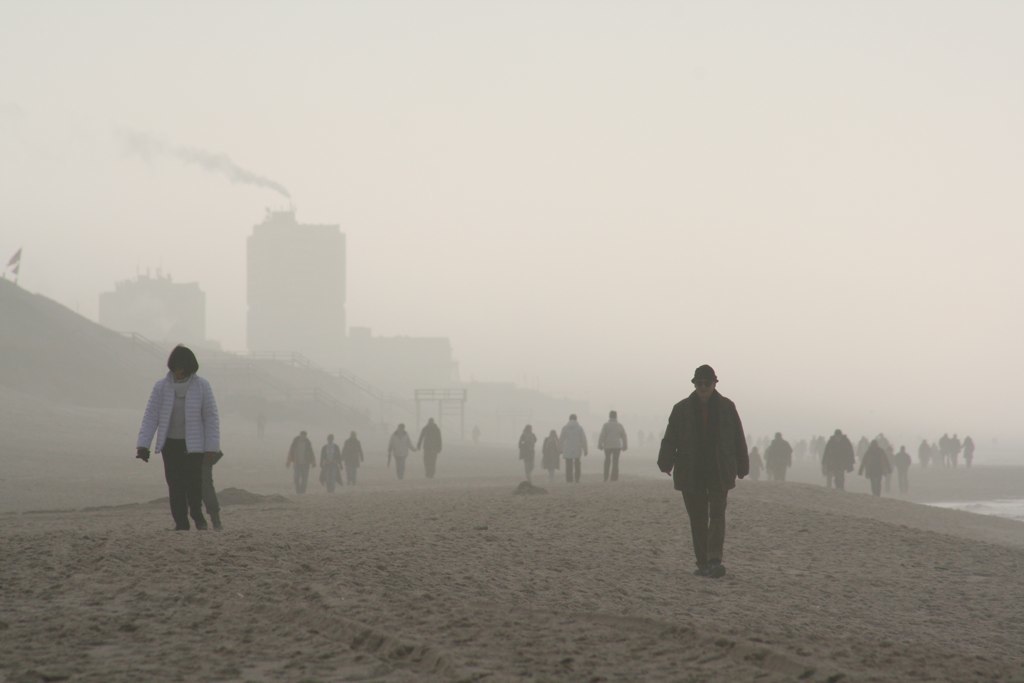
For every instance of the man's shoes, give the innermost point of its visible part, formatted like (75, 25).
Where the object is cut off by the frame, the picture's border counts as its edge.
(201, 526)
(215, 518)
(716, 569)
(701, 570)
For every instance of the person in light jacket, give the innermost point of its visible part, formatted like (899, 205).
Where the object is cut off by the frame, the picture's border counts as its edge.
(574, 447)
(612, 441)
(182, 414)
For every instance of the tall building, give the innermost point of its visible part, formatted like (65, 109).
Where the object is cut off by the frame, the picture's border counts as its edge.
(157, 308)
(296, 288)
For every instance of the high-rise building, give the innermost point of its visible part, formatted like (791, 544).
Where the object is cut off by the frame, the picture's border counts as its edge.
(157, 308)
(296, 288)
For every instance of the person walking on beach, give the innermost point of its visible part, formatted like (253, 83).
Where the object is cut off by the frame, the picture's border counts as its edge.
(574, 447)
(551, 451)
(902, 461)
(837, 460)
(330, 464)
(778, 458)
(874, 466)
(210, 501)
(300, 459)
(528, 450)
(704, 451)
(612, 441)
(182, 414)
(430, 442)
(352, 456)
(756, 464)
(924, 453)
(954, 450)
(968, 451)
(398, 447)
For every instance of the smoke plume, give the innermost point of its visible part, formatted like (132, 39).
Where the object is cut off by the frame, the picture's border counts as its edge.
(149, 147)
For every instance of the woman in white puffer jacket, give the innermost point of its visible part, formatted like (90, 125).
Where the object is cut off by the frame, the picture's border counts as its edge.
(182, 413)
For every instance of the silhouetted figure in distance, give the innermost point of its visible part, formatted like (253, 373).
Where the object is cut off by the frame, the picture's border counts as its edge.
(968, 451)
(902, 461)
(837, 460)
(352, 456)
(574, 447)
(430, 442)
(756, 464)
(330, 464)
(528, 450)
(398, 448)
(778, 458)
(551, 452)
(612, 441)
(300, 459)
(874, 466)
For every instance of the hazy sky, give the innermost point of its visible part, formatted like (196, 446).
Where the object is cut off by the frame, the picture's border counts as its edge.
(821, 199)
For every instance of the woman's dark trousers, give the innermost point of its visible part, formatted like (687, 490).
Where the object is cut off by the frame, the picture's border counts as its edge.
(184, 474)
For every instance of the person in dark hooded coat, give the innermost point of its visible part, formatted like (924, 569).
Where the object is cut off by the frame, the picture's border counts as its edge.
(874, 466)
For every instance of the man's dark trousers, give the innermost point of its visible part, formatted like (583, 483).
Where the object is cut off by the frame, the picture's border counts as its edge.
(611, 461)
(706, 507)
(184, 474)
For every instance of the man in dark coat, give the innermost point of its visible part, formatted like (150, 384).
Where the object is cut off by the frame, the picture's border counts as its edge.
(430, 442)
(837, 460)
(704, 450)
(874, 466)
(778, 458)
(301, 458)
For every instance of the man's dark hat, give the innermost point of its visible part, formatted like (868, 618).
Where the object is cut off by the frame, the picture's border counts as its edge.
(705, 372)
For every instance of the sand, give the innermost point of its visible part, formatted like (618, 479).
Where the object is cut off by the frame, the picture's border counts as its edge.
(448, 581)
(459, 579)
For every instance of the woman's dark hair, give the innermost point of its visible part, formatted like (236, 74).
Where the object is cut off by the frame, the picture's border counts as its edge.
(182, 358)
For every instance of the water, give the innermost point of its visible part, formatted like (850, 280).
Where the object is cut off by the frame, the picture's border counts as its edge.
(1009, 508)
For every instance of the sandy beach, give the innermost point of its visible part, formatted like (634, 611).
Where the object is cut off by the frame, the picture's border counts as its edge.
(461, 580)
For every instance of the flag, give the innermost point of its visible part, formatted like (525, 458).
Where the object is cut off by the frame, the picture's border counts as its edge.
(15, 259)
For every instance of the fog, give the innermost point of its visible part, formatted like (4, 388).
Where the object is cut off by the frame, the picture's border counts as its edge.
(591, 199)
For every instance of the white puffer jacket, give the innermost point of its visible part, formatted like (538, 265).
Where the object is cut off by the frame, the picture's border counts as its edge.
(202, 423)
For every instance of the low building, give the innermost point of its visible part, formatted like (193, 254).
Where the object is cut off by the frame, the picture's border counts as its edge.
(156, 307)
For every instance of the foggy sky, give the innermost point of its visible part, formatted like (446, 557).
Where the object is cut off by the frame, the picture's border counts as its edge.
(818, 198)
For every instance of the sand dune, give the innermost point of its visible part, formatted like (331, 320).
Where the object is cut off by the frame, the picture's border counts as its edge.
(447, 582)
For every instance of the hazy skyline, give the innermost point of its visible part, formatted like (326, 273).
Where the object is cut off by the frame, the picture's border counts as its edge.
(817, 198)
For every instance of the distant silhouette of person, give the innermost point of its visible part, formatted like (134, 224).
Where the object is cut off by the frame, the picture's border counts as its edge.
(902, 461)
(778, 458)
(551, 451)
(210, 501)
(352, 457)
(300, 459)
(528, 450)
(944, 449)
(398, 448)
(924, 453)
(430, 442)
(476, 434)
(182, 414)
(704, 450)
(954, 449)
(874, 466)
(330, 464)
(756, 464)
(574, 447)
(612, 440)
(261, 425)
(837, 460)
(884, 444)
(968, 451)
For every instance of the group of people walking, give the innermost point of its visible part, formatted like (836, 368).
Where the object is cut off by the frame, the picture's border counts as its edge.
(333, 460)
(571, 446)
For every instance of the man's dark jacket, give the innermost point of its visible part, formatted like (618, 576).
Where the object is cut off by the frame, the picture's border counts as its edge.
(680, 449)
(838, 456)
